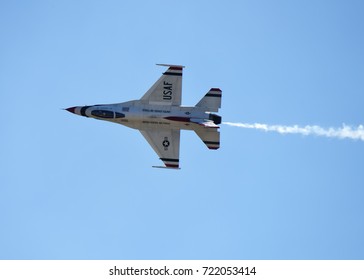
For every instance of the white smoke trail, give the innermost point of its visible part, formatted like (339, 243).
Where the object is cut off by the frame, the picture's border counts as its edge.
(343, 132)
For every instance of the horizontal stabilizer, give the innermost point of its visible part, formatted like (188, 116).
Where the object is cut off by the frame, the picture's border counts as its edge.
(210, 136)
(211, 101)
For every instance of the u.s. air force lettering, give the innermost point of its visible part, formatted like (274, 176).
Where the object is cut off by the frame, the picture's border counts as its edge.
(167, 91)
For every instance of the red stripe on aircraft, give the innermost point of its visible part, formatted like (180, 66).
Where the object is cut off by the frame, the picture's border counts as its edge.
(172, 165)
(215, 89)
(178, 119)
(175, 68)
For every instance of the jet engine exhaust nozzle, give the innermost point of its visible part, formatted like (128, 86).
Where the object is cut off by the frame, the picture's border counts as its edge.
(215, 118)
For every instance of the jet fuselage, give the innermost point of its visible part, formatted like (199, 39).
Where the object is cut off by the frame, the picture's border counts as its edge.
(140, 116)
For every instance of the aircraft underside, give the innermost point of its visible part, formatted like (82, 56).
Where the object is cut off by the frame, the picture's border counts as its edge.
(159, 116)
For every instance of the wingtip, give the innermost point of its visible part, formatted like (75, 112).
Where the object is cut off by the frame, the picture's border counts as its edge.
(165, 167)
(171, 65)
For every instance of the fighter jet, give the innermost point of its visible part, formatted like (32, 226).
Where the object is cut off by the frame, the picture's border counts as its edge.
(159, 116)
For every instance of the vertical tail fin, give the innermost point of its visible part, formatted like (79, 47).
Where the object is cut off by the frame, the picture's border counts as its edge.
(211, 101)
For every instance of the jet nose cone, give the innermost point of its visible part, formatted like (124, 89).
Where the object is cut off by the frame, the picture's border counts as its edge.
(71, 109)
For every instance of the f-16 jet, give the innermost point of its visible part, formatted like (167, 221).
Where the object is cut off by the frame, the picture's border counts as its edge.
(159, 116)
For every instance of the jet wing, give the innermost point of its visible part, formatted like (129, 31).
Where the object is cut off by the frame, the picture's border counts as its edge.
(168, 89)
(166, 144)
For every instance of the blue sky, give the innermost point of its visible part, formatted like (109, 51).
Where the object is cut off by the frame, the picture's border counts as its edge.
(77, 188)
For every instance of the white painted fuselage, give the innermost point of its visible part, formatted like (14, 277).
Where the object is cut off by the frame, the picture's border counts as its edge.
(136, 115)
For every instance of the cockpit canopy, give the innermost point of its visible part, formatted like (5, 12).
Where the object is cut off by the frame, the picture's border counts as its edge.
(106, 114)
